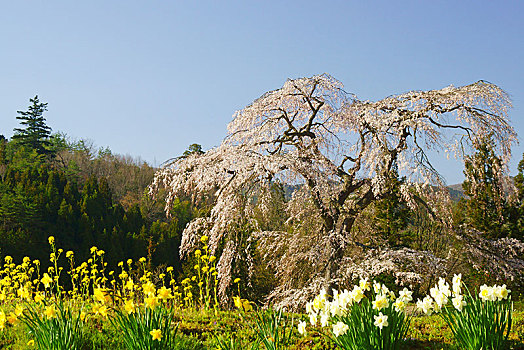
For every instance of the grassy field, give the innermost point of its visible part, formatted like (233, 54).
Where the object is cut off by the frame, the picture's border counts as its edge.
(200, 329)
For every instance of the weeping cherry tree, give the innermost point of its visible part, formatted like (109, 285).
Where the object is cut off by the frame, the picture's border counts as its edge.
(339, 152)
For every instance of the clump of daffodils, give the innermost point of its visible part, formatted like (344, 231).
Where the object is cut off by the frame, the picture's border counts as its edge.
(477, 321)
(495, 293)
(442, 293)
(132, 297)
(369, 306)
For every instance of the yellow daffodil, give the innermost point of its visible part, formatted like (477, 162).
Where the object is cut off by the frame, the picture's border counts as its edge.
(101, 295)
(164, 293)
(46, 280)
(238, 302)
(50, 312)
(24, 293)
(102, 310)
(129, 306)
(151, 302)
(148, 288)
(129, 284)
(156, 334)
(247, 305)
(39, 297)
(19, 309)
(99, 309)
(12, 318)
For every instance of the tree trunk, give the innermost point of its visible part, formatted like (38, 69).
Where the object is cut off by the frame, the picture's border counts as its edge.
(336, 247)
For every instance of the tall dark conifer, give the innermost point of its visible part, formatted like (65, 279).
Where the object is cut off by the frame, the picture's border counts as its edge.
(392, 213)
(516, 208)
(484, 207)
(35, 133)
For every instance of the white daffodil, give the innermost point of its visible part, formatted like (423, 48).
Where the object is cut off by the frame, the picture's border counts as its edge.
(381, 320)
(457, 284)
(340, 328)
(302, 328)
(458, 302)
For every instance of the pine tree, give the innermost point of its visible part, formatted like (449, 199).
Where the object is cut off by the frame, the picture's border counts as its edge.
(519, 181)
(484, 207)
(392, 213)
(192, 149)
(516, 208)
(36, 133)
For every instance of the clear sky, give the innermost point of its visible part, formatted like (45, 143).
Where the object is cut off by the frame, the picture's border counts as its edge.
(148, 78)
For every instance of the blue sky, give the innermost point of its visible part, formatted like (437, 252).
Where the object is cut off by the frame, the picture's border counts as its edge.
(148, 78)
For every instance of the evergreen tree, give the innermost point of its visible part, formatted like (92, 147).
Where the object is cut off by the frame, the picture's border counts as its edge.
(193, 148)
(36, 133)
(519, 182)
(3, 152)
(516, 209)
(391, 213)
(484, 207)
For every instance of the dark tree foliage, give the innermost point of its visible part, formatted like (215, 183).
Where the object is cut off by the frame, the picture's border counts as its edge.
(516, 209)
(484, 207)
(392, 214)
(193, 148)
(35, 133)
(40, 197)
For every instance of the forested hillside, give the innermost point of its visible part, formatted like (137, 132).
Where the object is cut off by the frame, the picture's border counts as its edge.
(84, 196)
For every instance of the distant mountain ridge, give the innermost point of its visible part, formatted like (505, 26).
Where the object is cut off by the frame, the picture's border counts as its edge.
(456, 192)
